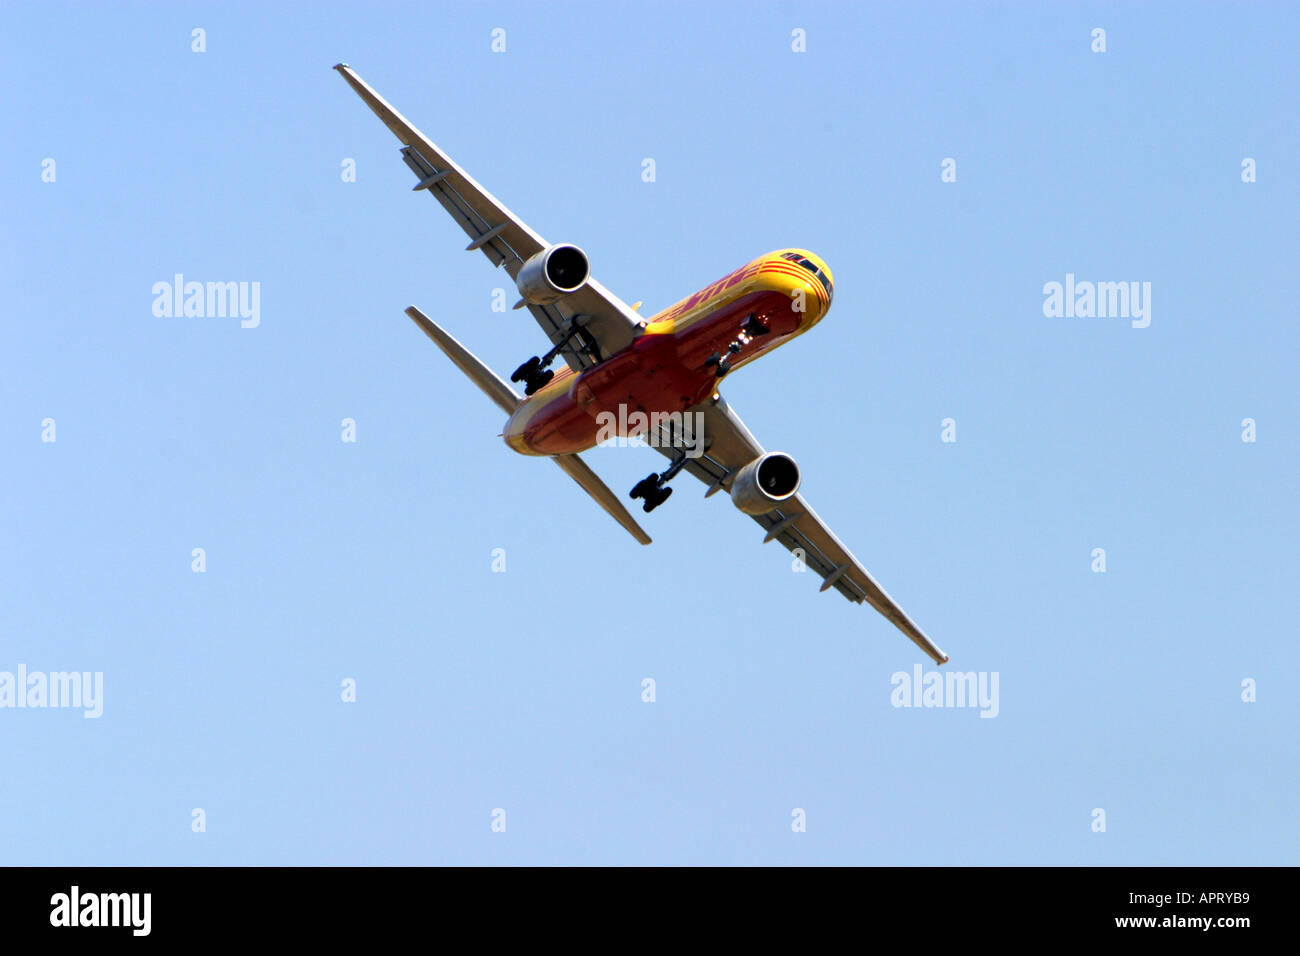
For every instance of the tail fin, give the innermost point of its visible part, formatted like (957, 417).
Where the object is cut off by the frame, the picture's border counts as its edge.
(497, 389)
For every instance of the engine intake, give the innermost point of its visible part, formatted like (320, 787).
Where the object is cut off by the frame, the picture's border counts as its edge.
(553, 273)
(765, 483)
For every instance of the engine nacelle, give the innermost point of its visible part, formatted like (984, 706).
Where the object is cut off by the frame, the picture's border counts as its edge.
(765, 483)
(553, 273)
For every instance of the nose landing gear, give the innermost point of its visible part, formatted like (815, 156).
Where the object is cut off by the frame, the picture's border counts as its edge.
(752, 328)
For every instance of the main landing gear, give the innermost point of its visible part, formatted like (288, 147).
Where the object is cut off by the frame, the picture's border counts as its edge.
(752, 328)
(654, 488)
(534, 373)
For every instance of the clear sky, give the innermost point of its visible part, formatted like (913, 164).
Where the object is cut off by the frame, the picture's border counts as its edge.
(372, 561)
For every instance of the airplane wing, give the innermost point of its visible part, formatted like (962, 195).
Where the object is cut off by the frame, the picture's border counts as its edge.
(608, 323)
(729, 446)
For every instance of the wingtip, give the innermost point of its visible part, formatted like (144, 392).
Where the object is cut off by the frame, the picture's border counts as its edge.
(341, 67)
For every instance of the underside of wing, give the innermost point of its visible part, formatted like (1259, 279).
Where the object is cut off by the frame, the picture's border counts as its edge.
(728, 447)
(799, 529)
(587, 325)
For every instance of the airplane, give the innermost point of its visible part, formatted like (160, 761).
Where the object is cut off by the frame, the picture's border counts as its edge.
(657, 367)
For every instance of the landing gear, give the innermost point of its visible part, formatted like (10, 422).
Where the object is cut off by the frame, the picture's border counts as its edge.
(751, 328)
(654, 488)
(534, 373)
(651, 489)
(723, 365)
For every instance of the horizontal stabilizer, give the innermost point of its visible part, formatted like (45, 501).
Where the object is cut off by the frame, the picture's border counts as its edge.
(581, 472)
(493, 385)
(497, 389)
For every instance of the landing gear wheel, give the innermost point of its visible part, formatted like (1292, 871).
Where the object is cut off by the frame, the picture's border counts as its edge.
(646, 487)
(654, 488)
(656, 498)
(532, 375)
(539, 381)
(527, 370)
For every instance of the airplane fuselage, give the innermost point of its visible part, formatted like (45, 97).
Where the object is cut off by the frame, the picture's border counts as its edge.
(667, 369)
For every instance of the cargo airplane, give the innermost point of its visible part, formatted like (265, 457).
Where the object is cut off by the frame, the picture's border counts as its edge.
(660, 366)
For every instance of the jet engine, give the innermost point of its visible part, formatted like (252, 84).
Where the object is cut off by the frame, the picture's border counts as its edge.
(765, 483)
(553, 273)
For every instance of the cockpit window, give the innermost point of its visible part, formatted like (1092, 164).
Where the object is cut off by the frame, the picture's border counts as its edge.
(811, 267)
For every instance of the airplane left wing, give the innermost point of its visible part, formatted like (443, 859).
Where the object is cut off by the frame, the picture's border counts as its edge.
(607, 323)
(729, 446)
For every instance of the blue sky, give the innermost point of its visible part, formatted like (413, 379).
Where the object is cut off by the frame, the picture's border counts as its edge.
(372, 560)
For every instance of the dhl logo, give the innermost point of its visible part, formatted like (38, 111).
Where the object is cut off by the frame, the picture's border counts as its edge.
(710, 291)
